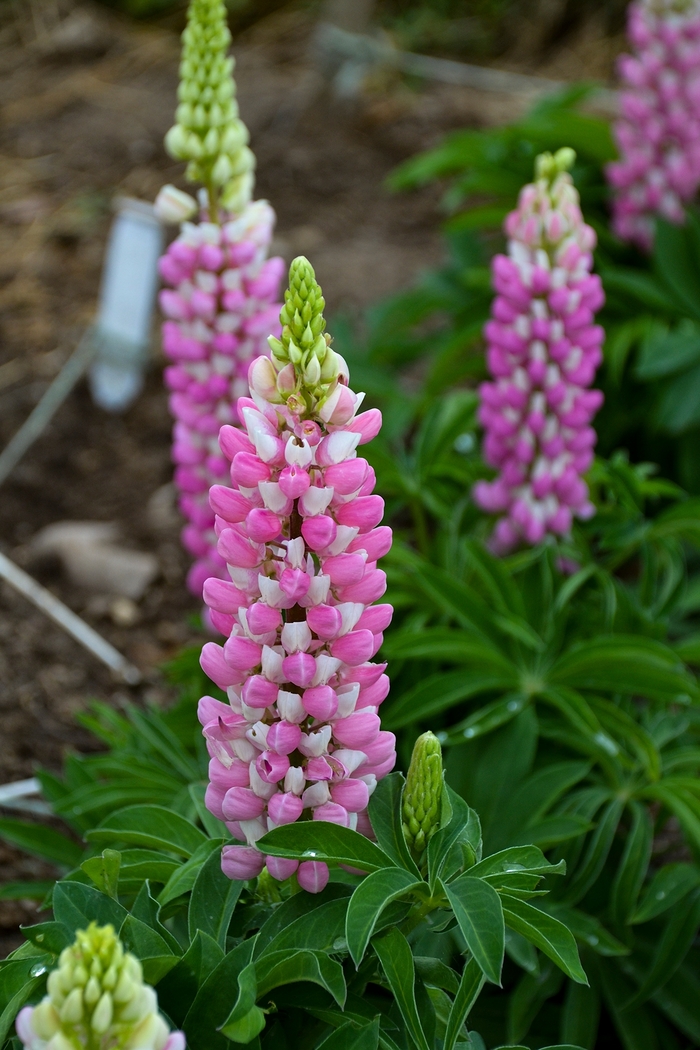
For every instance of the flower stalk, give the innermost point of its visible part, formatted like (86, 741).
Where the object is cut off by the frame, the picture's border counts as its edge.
(300, 534)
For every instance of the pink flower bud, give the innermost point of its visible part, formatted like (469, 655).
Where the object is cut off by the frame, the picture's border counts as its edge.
(242, 803)
(358, 730)
(333, 813)
(370, 588)
(367, 425)
(353, 648)
(235, 775)
(295, 583)
(324, 620)
(376, 618)
(294, 481)
(281, 868)
(263, 618)
(259, 692)
(374, 695)
(285, 808)
(376, 543)
(237, 550)
(216, 667)
(271, 766)
(380, 749)
(362, 513)
(283, 737)
(241, 862)
(263, 525)
(223, 596)
(319, 531)
(320, 702)
(347, 477)
(319, 769)
(213, 800)
(344, 569)
(247, 470)
(352, 794)
(299, 669)
(243, 654)
(313, 876)
(230, 504)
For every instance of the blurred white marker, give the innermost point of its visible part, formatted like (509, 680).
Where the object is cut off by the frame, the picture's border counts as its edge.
(127, 296)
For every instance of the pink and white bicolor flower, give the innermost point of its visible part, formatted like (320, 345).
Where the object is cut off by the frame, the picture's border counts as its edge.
(300, 535)
(543, 349)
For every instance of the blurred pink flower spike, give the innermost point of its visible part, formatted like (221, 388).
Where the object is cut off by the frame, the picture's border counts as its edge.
(543, 352)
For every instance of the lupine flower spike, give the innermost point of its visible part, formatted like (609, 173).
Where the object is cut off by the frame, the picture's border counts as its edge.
(221, 303)
(422, 794)
(658, 132)
(299, 531)
(543, 352)
(96, 1001)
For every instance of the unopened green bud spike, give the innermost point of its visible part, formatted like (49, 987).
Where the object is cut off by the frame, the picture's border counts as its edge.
(208, 132)
(304, 371)
(81, 1011)
(422, 794)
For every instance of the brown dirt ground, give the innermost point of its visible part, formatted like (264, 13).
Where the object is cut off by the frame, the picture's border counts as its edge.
(83, 111)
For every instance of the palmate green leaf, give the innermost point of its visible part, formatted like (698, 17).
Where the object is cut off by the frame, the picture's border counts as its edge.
(177, 990)
(521, 859)
(288, 967)
(528, 997)
(49, 936)
(319, 929)
(440, 691)
(213, 900)
(459, 826)
(214, 1001)
(580, 1015)
(470, 985)
(669, 885)
(634, 1027)
(677, 408)
(19, 981)
(185, 875)
(322, 841)
(597, 851)
(624, 728)
(625, 664)
(676, 264)
(368, 902)
(633, 865)
(587, 929)
(42, 842)
(680, 809)
(444, 643)
(104, 871)
(385, 817)
(435, 973)
(673, 946)
(153, 950)
(477, 908)
(351, 1036)
(396, 958)
(546, 933)
(298, 907)
(77, 905)
(140, 864)
(664, 351)
(679, 999)
(147, 909)
(487, 718)
(247, 994)
(150, 826)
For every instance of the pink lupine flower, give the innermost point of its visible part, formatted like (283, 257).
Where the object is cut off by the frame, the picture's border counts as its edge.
(543, 351)
(211, 340)
(300, 736)
(658, 131)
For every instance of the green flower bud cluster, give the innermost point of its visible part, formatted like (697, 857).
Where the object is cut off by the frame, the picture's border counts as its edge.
(97, 999)
(208, 132)
(308, 368)
(422, 794)
(548, 166)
